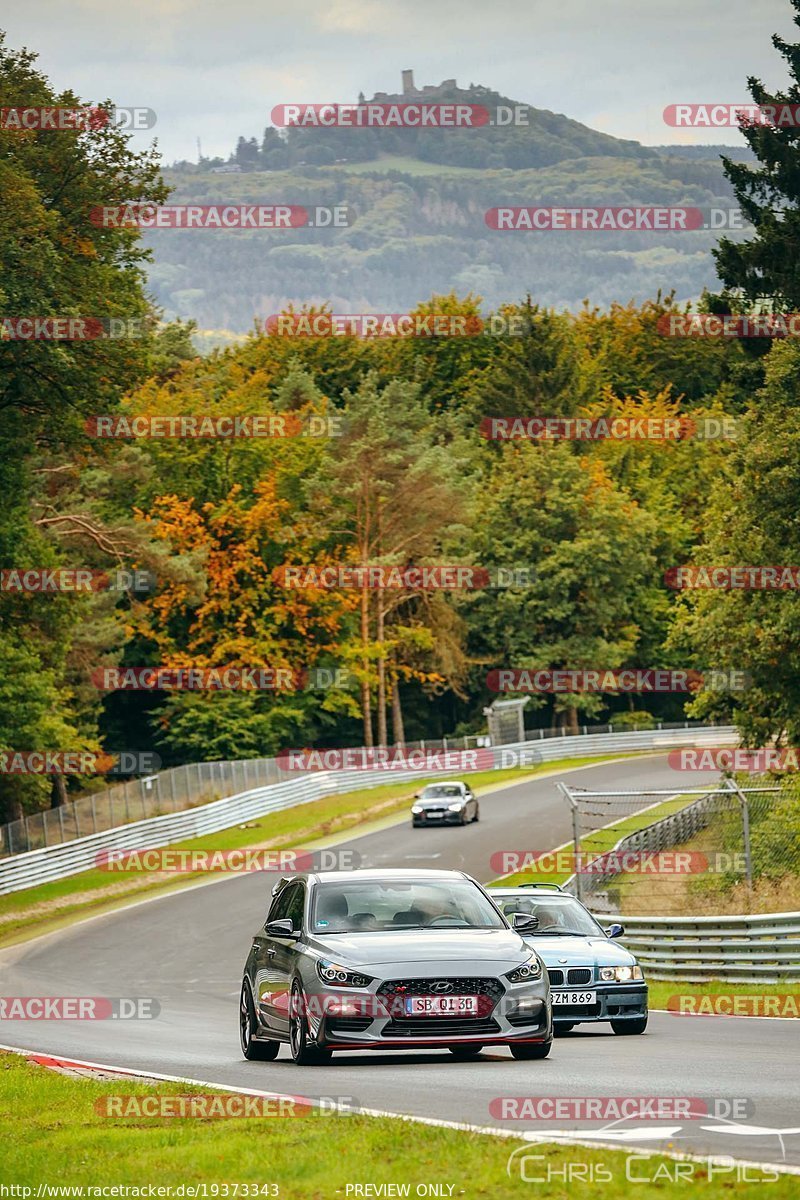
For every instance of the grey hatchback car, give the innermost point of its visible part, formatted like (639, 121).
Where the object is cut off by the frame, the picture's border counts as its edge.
(388, 960)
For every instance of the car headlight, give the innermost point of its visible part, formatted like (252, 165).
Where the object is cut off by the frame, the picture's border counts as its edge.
(621, 974)
(532, 969)
(416, 808)
(338, 976)
(457, 807)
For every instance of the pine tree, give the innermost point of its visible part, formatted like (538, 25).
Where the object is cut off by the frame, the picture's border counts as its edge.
(766, 268)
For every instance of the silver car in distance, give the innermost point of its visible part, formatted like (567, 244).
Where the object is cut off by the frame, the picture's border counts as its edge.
(389, 960)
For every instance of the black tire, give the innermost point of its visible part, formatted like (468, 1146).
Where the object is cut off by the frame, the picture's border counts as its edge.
(477, 816)
(465, 1051)
(463, 820)
(637, 1025)
(303, 1052)
(531, 1049)
(251, 1049)
(560, 1030)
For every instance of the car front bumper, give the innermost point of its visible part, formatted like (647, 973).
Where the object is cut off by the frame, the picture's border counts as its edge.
(447, 818)
(381, 1024)
(615, 1002)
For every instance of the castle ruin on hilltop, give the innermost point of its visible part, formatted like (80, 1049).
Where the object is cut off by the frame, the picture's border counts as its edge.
(410, 91)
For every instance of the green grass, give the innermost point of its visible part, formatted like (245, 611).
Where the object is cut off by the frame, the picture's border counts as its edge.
(660, 990)
(48, 906)
(67, 1142)
(598, 842)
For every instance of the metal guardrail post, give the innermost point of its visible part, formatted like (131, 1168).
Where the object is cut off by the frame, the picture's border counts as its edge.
(576, 836)
(745, 810)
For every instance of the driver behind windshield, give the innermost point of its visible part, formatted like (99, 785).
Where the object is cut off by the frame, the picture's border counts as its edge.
(549, 917)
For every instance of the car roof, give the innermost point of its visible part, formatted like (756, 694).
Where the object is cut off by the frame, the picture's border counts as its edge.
(427, 874)
(528, 891)
(445, 782)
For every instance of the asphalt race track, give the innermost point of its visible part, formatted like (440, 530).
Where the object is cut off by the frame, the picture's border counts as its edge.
(187, 951)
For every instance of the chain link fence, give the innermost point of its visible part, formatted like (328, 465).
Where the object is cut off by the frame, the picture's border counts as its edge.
(186, 787)
(677, 852)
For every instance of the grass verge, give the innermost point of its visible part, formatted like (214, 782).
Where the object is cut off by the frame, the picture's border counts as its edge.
(660, 991)
(48, 906)
(68, 1143)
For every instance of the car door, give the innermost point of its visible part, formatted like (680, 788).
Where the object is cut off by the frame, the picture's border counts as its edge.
(272, 1003)
(281, 952)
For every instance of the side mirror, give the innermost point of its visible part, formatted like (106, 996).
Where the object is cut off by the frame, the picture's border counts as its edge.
(280, 929)
(615, 930)
(524, 922)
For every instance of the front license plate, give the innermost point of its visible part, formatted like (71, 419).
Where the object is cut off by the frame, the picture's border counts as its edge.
(573, 998)
(434, 816)
(437, 1006)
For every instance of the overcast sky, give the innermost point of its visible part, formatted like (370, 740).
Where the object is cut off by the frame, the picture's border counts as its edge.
(214, 70)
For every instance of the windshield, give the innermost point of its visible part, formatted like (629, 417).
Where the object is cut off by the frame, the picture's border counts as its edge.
(441, 791)
(408, 904)
(557, 914)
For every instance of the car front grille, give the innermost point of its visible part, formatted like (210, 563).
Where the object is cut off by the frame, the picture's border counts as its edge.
(394, 991)
(439, 1027)
(579, 975)
(468, 985)
(574, 975)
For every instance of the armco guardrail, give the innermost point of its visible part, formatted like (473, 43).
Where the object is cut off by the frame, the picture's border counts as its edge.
(187, 786)
(69, 858)
(739, 949)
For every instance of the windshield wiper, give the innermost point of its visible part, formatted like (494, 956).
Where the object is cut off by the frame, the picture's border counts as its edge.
(557, 933)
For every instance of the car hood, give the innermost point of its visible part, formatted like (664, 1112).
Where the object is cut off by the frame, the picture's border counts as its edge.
(580, 951)
(427, 949)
